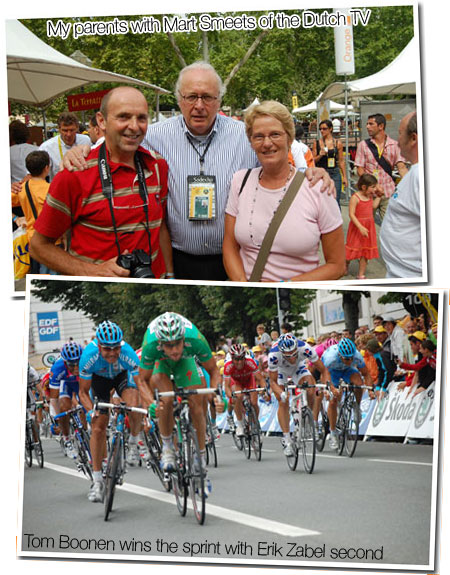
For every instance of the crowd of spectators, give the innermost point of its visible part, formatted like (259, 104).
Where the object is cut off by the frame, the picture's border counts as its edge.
(402, 350)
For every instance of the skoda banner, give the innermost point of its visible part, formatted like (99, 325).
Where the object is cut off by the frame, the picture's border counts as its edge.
(395, 413)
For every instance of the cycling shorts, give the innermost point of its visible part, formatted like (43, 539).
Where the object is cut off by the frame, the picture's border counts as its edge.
(67, 388)
(185, 371)
(301, 372)
(249, 383)
(345, 374)
(102, 387)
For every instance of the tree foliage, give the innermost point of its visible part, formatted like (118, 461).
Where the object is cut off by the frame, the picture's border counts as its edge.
(215, 310)
(286, 60)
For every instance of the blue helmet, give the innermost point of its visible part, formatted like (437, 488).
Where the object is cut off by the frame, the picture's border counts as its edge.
(71, 352)
(287, 343)
(109, 334)
(346, 348)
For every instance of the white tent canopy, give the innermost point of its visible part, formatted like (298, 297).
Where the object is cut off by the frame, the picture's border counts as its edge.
(312, 107)
(37, 73)
(398, 77)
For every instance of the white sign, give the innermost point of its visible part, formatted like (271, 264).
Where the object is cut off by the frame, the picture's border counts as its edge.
(343, 46)
(393, 415)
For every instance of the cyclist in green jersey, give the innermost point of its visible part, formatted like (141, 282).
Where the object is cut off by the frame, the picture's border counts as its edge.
(170, 345)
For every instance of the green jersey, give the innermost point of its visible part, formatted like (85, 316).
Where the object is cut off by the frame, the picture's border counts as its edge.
(195, 344)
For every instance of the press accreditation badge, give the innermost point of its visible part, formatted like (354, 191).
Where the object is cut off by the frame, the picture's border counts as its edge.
(331, 163)
(202, 197)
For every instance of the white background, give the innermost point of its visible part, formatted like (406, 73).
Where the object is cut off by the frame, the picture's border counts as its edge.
(434, 29)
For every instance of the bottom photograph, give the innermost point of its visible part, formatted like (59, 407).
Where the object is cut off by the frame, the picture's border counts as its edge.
(231, 425)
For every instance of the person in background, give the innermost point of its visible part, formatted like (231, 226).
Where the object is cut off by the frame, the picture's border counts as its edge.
(68, 137)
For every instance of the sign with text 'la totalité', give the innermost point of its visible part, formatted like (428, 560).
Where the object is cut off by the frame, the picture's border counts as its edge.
(88, 101)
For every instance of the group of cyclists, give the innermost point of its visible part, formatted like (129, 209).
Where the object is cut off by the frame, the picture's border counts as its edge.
(175, 353)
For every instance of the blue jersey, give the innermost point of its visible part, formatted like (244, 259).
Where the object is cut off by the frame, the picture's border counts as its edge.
(92, 362)
(59, 373)
(332, 360)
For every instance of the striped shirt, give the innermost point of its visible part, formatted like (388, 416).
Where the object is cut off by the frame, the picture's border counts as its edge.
(229, 151)
(75, 201)
(365, 159)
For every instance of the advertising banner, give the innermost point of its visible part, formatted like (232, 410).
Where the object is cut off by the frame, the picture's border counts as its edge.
(48, 326)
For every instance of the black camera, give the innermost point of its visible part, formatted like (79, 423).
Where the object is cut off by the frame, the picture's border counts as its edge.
(139, 263)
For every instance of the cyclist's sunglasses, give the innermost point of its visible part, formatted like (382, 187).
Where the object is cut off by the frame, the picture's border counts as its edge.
(110, 347)
(72, 364)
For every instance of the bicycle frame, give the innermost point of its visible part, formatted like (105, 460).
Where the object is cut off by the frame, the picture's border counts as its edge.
(116, 466)
(252, 431)
(84, 461)
(189, 474)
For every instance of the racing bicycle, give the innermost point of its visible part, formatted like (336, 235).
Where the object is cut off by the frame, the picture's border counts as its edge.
(251, 440)
(189, 475)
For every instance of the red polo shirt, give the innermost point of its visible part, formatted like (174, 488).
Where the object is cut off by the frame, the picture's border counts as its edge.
(75, 201)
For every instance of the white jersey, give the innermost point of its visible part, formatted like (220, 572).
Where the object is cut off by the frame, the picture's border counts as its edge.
(287, 370)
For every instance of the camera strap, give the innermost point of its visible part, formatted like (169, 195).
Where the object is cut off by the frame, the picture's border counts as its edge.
(108, 191)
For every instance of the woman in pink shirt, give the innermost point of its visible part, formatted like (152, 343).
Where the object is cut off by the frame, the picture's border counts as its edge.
(312, 218)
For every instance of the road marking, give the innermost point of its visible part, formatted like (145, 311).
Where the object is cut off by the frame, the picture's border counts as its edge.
(401, 462)
(215, 510)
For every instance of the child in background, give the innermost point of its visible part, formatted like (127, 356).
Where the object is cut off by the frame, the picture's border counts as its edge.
(38, 166)
(361, 235)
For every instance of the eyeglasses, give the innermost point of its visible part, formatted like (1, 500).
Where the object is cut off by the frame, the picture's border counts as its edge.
(273, 137)
(110, 348)
(191, 99)
(116, 196)
(324, 128)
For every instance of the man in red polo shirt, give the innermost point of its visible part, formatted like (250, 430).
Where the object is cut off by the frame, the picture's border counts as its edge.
(102, 229)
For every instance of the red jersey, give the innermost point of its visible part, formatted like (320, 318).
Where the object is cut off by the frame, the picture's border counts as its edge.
(244, 376)
(75, 201)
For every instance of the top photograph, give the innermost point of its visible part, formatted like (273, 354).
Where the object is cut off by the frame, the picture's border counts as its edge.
(268, 146)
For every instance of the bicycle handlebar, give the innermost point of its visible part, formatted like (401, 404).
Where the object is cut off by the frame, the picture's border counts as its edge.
(183, 392)
(239, 392)
(102, 405)
(68, 412)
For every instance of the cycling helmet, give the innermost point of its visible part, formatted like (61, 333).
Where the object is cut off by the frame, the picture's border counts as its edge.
(71, 352)
(109, 334)
(346, 348)
(169, 327)
(329, 342)
(287, 343)
(237, 351)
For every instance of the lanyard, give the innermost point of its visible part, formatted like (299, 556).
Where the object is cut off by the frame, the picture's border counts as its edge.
(108, 190)
(201, 156)
(60, 147)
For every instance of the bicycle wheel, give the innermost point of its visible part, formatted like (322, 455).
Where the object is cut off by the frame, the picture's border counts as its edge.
(292, 460)
(238, 441)
(28, 447)
(84, 456)
(211, 452)
(323, 429)
(341, 424)
(112, 472)
(351, 429)
(308, 440)
(255, 433)
(196, 474)
(180, 488)
(247, 438)
(154, 449)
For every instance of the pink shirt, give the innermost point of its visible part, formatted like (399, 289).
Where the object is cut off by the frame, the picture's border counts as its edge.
(295, 249)
(365, 159)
